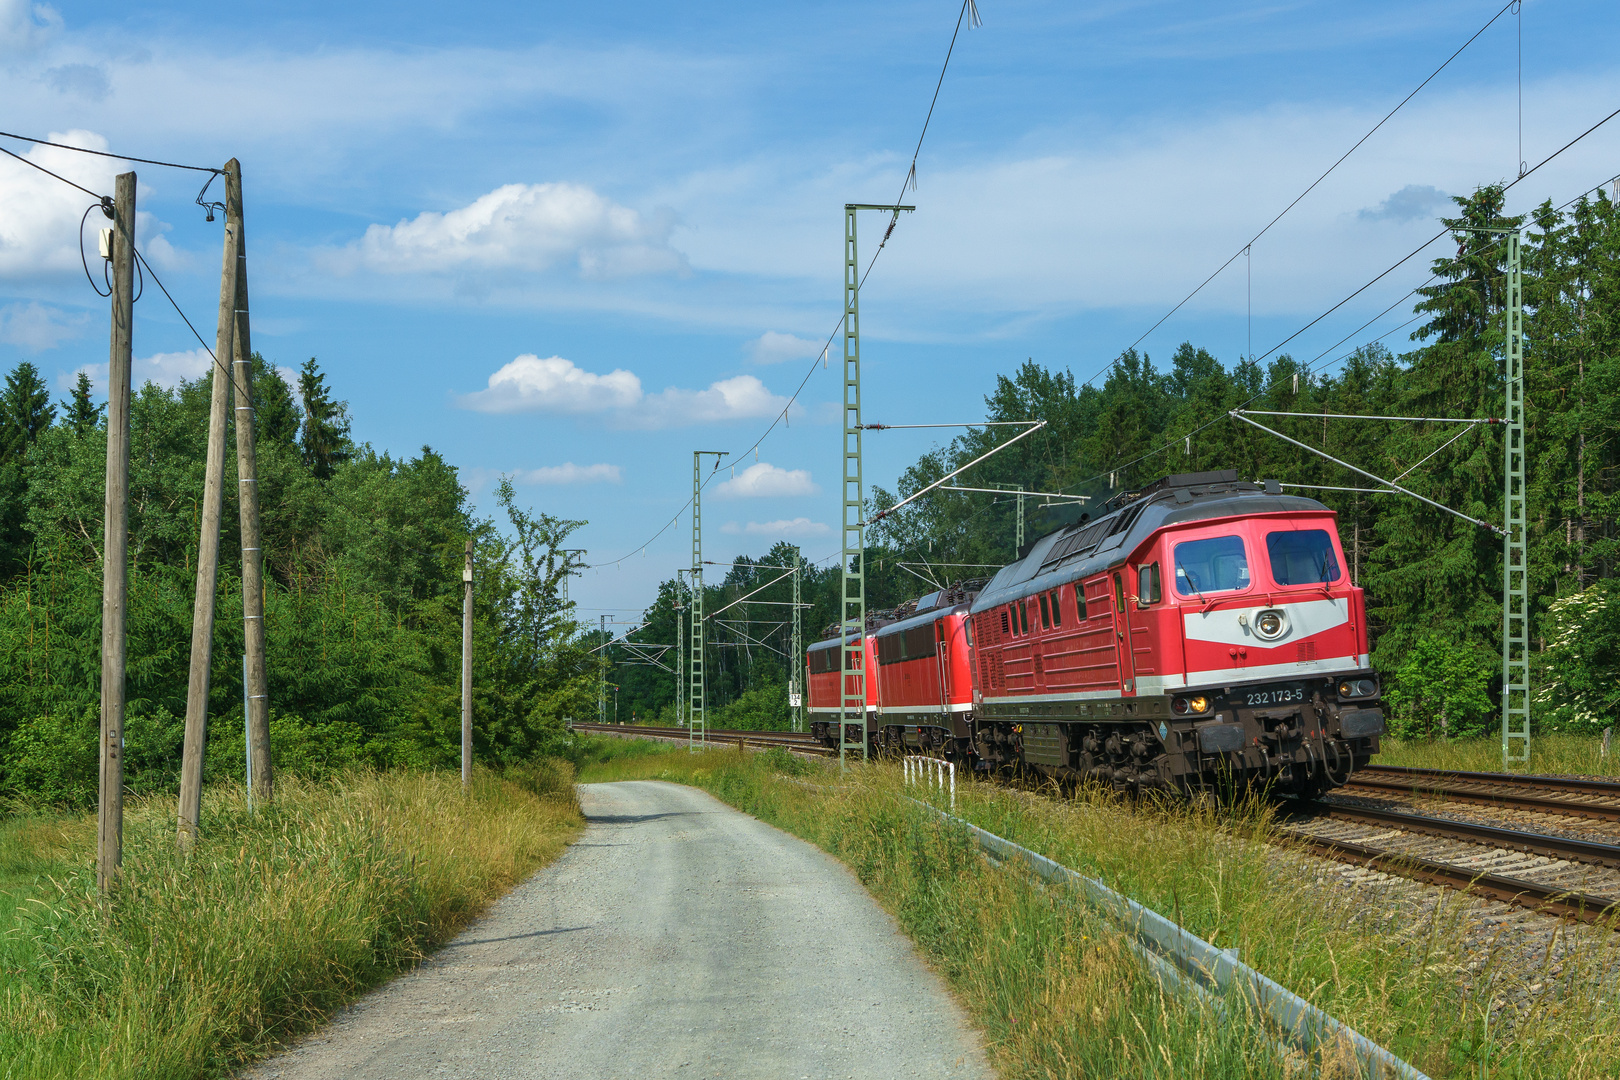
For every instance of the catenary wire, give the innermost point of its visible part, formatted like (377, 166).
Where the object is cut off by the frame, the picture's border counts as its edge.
(106, 154)
(781, 417)
(1250, 243)
(1308, 369)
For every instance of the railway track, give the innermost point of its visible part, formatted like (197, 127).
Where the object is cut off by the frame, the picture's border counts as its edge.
(797, 742)
(1564, 796)
(1555, 875)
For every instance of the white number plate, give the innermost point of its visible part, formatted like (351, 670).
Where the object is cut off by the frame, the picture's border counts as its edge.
(1274, 695)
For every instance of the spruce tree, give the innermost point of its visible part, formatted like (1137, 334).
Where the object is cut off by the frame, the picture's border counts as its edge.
(25, 410)
(325, 442)
(83, 414)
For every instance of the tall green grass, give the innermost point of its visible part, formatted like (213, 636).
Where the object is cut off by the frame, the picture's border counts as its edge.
(1056, 992)
(1554, 753)
(195, 964)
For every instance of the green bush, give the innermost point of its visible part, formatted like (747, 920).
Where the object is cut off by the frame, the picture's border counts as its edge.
(1440, 688)
(1577, 688)
(54, 759)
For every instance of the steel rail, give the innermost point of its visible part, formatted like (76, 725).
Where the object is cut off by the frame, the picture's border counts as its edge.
(1533, 803)
(1546, 899)
(1563, 783)
(1554, 847)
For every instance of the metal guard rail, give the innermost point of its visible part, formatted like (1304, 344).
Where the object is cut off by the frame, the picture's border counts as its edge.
(1194, 964)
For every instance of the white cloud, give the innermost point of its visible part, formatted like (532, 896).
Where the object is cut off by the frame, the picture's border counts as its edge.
(530, 384)
(35, 327)
(165, 369)
(40, 224)
(772, 347)
(25, 25)
(1411, 202)
(764, 479)
(742, 397)
(522, 227)
(799, 526)
(569, 473)
(558, 385)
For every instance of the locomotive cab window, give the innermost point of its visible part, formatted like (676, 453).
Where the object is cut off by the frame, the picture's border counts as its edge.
(1147, 585)
(1217, 564)
(1302, 557)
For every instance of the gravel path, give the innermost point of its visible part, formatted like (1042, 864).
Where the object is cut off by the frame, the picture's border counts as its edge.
(677, 938)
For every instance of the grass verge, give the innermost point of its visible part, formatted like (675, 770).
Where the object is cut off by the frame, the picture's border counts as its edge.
(1554, 754)
(1057, 994)
(195, 965)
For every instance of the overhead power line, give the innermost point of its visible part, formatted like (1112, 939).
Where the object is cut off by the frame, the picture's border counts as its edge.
(969, 12)
(106, 154)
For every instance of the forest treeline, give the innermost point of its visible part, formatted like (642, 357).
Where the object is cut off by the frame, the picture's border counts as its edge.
(363, 559)
(1433, 581)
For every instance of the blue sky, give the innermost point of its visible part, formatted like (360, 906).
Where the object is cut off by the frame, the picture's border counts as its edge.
(574, 243)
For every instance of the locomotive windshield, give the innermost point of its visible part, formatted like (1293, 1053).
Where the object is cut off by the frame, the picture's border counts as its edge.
(1217, 564)
(1303, 557)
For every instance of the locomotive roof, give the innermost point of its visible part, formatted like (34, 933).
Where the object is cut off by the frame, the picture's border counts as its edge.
(1080, 550)
(922, 618)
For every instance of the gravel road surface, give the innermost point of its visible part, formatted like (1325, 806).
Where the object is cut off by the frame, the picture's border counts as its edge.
(677, 938)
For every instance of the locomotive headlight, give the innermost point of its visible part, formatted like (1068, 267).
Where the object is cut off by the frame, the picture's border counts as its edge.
(1199, 703)
(1270, 624)
(1181, 706)
(1358, 688)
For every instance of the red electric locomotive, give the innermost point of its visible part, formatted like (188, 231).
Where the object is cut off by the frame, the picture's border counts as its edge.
(925, 675)
(1204, 630)
(825, 698)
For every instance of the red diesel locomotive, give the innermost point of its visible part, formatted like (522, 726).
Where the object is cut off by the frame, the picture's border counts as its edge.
(1204, 629)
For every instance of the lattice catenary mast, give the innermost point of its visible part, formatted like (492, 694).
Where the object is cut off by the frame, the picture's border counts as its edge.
(697, 733)
(1515, 567)
(852, 590)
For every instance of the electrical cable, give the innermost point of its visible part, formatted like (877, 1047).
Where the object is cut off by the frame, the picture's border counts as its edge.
(105, 154)
(84, 260)
(968, 7)
(1245, 248)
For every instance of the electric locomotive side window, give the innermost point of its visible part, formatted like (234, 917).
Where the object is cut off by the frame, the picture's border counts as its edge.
(1147, 585)
(1057, 607)
(1046, 613)
(1216, 564)
(1302, 557)
(1080, 600)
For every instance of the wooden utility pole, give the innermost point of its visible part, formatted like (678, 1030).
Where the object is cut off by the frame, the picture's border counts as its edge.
(115, 540)
(466, 669)
(202, 612)
(247, 487)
